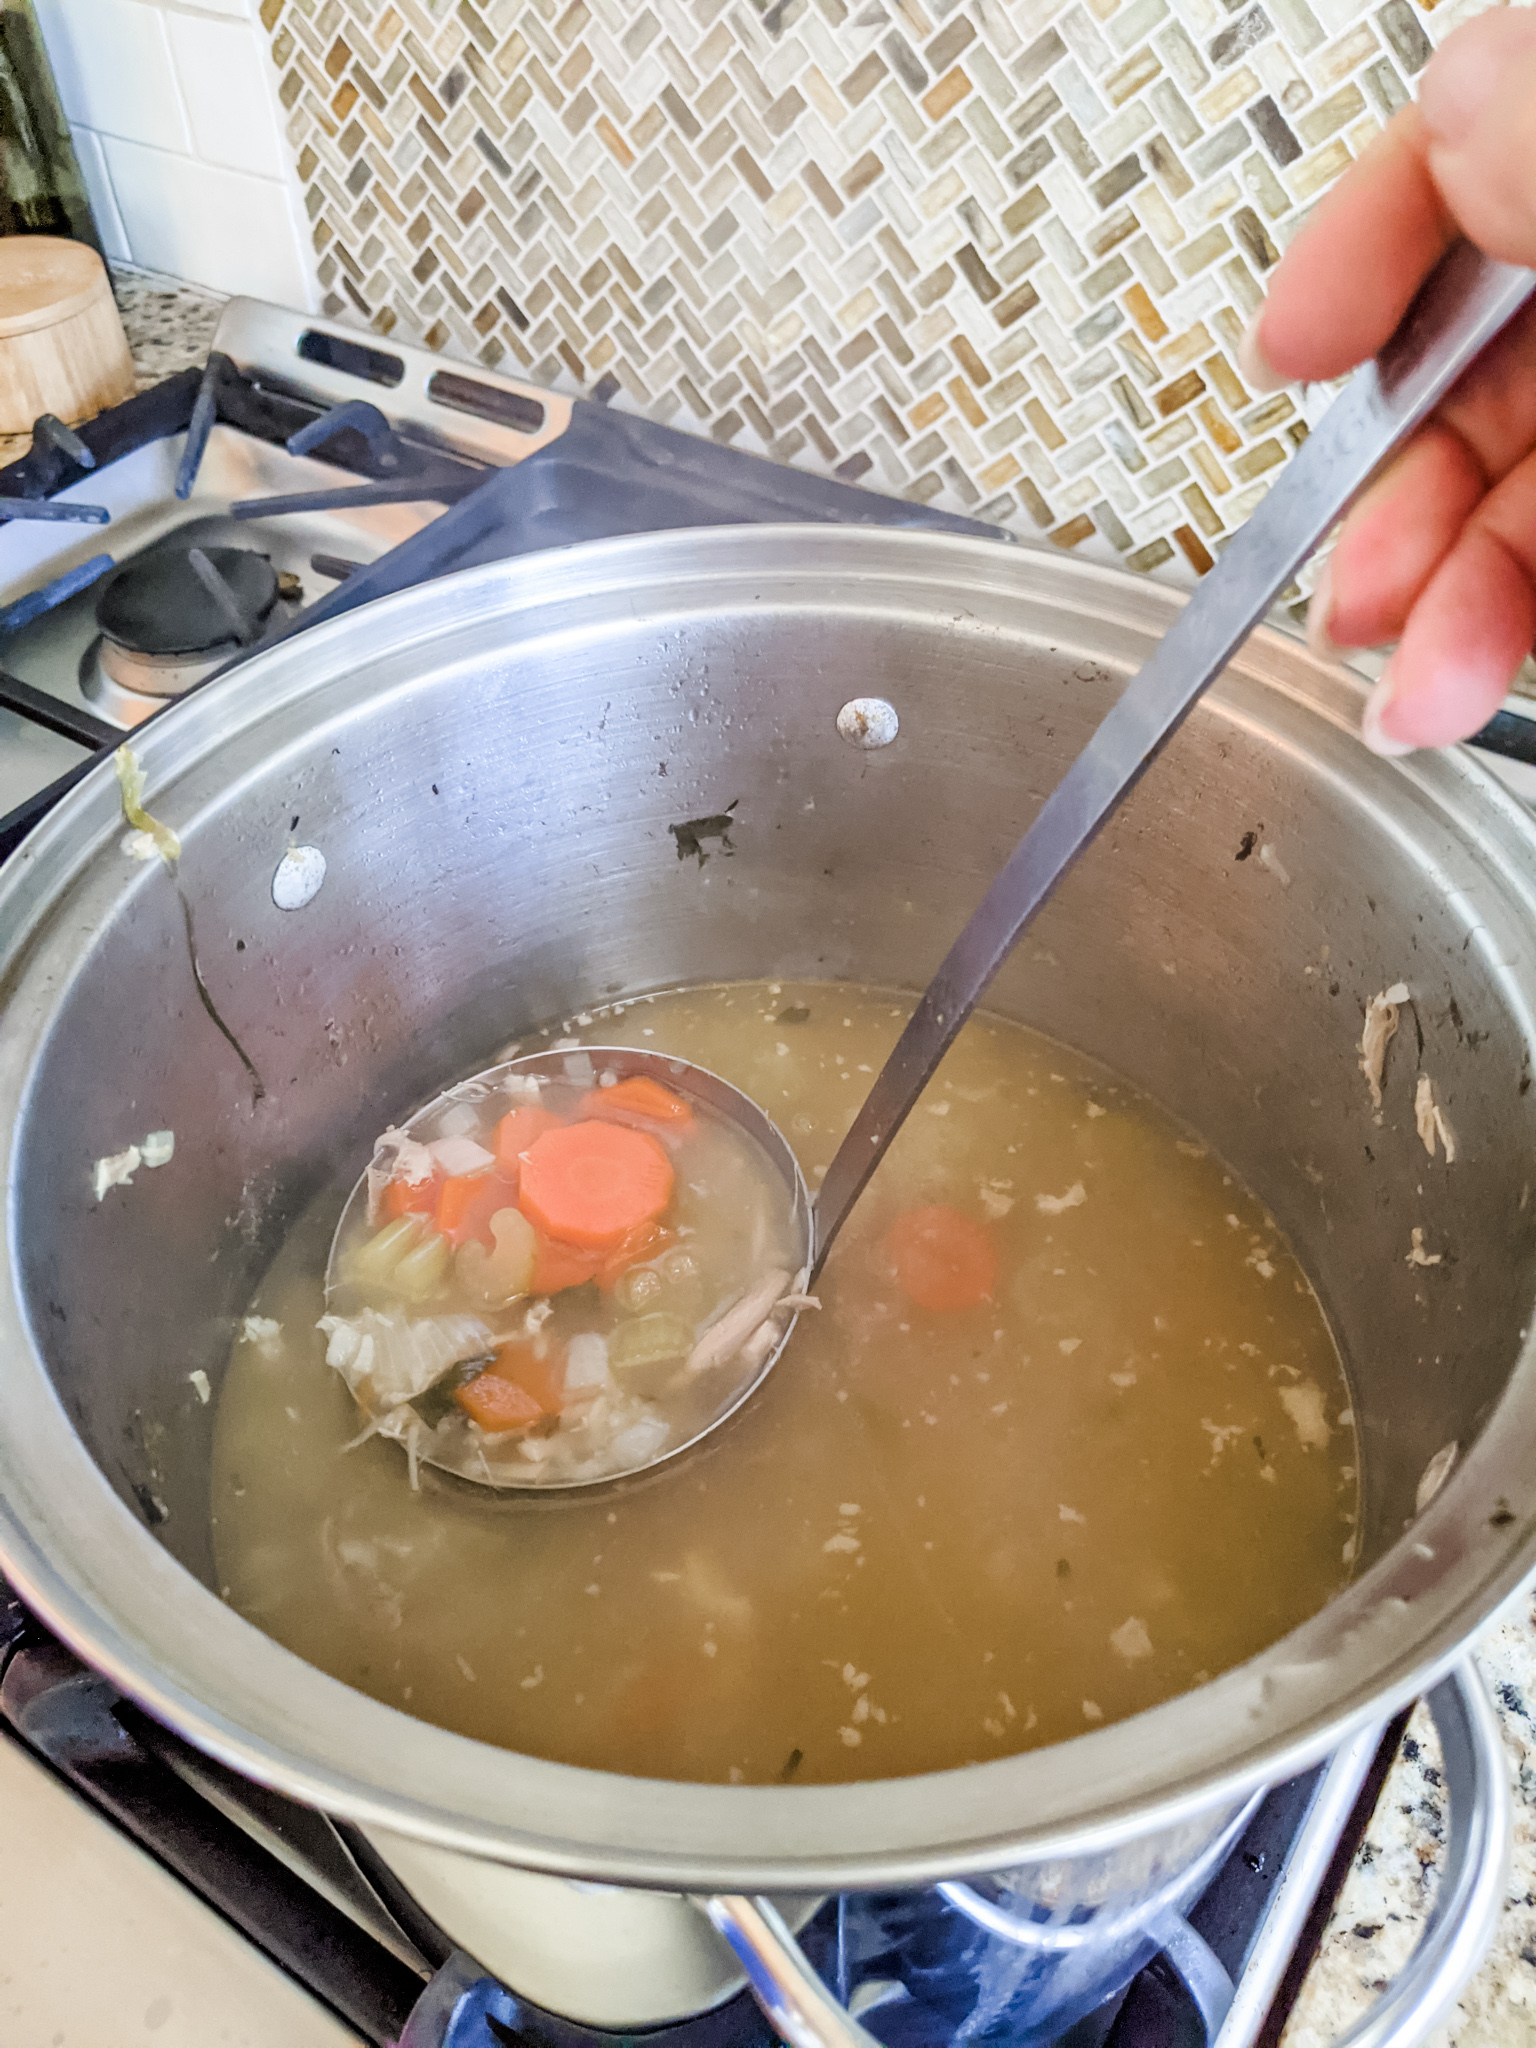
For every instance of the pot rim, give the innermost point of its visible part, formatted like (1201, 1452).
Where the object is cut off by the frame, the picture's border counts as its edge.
(98, 1577)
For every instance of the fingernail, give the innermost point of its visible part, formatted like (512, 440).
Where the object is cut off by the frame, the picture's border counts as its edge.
(1371, 728)
(1253, 365)
(1318, 610)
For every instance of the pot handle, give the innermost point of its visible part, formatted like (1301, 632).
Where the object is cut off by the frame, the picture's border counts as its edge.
(1460, 1927)
(804, 2013)
(799, 2007)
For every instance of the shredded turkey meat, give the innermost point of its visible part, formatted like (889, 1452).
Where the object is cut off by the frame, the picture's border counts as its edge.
(1380, 1028)
(1430, 1118)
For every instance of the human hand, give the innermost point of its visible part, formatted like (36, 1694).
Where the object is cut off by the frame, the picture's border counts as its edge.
(1440, 553)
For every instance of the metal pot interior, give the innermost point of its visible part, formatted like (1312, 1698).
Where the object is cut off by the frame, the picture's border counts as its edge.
(492, 766)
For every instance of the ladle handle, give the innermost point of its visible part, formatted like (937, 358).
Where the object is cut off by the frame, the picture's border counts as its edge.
(1462, 305)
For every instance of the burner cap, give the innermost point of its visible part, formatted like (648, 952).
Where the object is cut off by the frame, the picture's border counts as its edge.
(160, 605)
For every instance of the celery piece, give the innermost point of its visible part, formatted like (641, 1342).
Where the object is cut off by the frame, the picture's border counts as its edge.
(493, 1278)
(421, 1272)
(638, 1288)
(649, 1340)
(374, 1263)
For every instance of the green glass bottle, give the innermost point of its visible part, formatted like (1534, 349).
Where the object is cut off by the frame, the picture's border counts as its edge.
(41, 189)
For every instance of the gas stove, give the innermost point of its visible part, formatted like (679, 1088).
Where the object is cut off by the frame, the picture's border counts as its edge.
(303, 472)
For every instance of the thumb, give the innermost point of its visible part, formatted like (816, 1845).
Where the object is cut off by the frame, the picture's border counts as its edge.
(1478, 103)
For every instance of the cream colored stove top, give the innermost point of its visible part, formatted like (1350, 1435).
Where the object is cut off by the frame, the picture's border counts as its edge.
(101, 1948)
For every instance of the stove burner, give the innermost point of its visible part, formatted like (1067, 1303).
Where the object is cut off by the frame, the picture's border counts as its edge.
(184, 601)
(173, 616)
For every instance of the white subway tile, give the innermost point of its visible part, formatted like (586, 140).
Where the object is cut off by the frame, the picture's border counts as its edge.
(112, 60)
(221, 67)
(224, 229)
(98, 183)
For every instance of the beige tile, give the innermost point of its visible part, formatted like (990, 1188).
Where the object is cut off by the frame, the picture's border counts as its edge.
(1182, 350)
(1321, 121)
(1223, 100)
(1137, 70)
(1320, 169)
(1210, 471)
(1329, 67)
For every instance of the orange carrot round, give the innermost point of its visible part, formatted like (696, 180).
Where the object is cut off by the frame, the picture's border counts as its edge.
(942, 1259)
(558, 1266)
(519, 1128)
(591, 1184)
(641, 1103)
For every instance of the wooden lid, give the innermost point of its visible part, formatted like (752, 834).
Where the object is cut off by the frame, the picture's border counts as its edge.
(44, 279)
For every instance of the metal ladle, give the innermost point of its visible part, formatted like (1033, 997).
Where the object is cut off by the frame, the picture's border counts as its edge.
(707, 1092)
(1465, 302)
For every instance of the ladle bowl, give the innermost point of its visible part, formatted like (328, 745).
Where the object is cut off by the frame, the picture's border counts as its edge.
(452, 1445)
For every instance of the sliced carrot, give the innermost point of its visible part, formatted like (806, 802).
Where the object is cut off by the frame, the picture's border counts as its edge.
(592, 1183)
(942, 1259)
(559, 1266)
(543, 1378)
(466, 1204)
(641, 1103)
(497, 1403)
(643, 1243)
(518, 1129)
(407, 1198)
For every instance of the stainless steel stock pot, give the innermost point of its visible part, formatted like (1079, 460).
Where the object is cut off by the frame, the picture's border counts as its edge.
(492, 767)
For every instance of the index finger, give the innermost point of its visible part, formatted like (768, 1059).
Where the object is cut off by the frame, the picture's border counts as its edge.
(1347, 280)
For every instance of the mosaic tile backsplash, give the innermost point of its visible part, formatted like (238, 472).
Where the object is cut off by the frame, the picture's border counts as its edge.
(995, 255)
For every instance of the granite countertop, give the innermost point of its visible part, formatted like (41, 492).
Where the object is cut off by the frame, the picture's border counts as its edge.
(1391, 1889)
(169, 325)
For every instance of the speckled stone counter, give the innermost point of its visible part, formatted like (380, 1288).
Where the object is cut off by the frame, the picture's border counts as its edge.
(169, 325)
(1391, 1889)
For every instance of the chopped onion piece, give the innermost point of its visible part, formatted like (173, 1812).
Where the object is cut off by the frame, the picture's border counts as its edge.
(461, 1156)
(130, 780)
(586, 1366)
(399, 1358)
(639, 1443)
(396, 1157)
(116, 1170)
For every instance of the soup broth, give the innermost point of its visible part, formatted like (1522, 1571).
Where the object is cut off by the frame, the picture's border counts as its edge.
(933, 1536)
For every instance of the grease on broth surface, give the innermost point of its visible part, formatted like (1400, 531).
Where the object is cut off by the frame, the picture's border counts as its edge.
(930, 1538)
